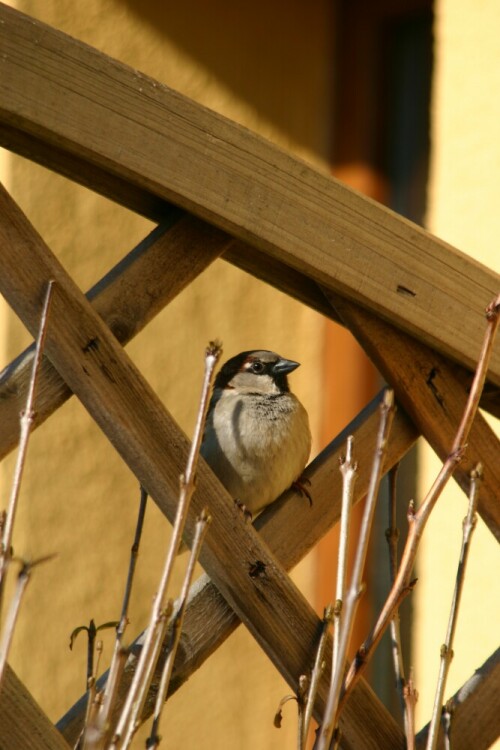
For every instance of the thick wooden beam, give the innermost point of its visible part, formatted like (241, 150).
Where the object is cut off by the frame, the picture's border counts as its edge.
(128, 136)
(135, 421)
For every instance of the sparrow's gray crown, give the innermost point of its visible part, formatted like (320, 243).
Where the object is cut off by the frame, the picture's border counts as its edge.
(258, 369)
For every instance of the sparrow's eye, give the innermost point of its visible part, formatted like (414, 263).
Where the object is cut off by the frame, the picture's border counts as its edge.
(257, 367)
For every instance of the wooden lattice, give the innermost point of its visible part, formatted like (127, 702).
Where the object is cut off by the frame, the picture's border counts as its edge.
(413, 302)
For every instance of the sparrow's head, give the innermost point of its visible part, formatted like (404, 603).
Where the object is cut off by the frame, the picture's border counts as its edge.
(256, 372)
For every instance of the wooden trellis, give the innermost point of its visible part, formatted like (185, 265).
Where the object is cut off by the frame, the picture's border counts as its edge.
(413, 302)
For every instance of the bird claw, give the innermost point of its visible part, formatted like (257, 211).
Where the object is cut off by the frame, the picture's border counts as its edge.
(300, 486)
(247, 514)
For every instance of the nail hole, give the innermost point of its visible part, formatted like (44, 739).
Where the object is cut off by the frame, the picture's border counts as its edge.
(405, 291)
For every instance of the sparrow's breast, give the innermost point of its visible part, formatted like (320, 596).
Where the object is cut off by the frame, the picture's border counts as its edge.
(257, 445)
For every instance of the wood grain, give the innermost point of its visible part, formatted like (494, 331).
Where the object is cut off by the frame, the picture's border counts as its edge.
(128, 136)
(113, 391)
(127, 298)
(476, 718)
(291, 528)
(23, 724)
(435, 399)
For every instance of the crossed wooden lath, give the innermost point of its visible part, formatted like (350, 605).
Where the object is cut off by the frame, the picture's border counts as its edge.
(414, 303)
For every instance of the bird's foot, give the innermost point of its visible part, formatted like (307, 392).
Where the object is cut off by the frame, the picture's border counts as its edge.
(300, 486)
(247, 514)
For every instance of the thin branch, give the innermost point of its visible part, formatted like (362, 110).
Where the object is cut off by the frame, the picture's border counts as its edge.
(356, 588)
(15, 605)
(410, 697)
(134, 554)
(417, 521)
(199, 535)
(317, 672)
(27, 417)
(447, 719)
(301, 703)
(133, 706)
(119, 654)
(349, 471)
(469, 525)
(392, 536)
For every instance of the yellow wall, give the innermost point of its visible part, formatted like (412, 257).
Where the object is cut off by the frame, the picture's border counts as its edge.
(264, 65)
(78, 498)
(464, 210)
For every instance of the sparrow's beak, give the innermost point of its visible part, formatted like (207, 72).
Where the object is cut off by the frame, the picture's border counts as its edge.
(285, 366)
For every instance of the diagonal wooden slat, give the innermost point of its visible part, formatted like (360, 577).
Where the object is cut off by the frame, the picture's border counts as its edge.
(127, 298)
(23, 724)
(157, 144)
(426, 386)
(291, 528)
(304, 289)
(432, 389)
(111, 388)
(149, 260)
(184, 234)
(170, 257)
(475, 715)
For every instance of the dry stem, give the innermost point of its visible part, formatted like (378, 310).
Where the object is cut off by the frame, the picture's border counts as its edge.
(13, 612)
(199, 535)
(392, 535)
(469, 525)
(152, 642)
(317, 672)
(10, 622)
(27, 417)
(410, 697)
(348, 469)
(418, 520)
(355, 589)
(300, 699)
(119, 654)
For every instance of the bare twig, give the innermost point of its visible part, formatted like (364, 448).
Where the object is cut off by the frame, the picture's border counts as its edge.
(356, 588)
(101, 719)
(469, 525)
(317, 672)
(301, 702)
(410, 697)
(300, 699)
(199, 535)
(134, 554)
(349, 471)
(392, 536)
(133, 705)
(13, 612)
(418, 520)
(27, 417)
(447, 718)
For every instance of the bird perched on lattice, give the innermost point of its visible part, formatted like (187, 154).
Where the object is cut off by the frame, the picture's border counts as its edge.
(257, 438)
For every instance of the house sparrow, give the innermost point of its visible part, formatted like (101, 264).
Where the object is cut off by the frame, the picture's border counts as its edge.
(257, 438)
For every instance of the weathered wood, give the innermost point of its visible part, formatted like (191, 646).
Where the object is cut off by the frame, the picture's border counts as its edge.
(427, 387)
(135, 421)
(304, 289)
(23, 724)
(110, 127)
(291, 528)
(435, 403)
(475, 716)
(127, 298)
